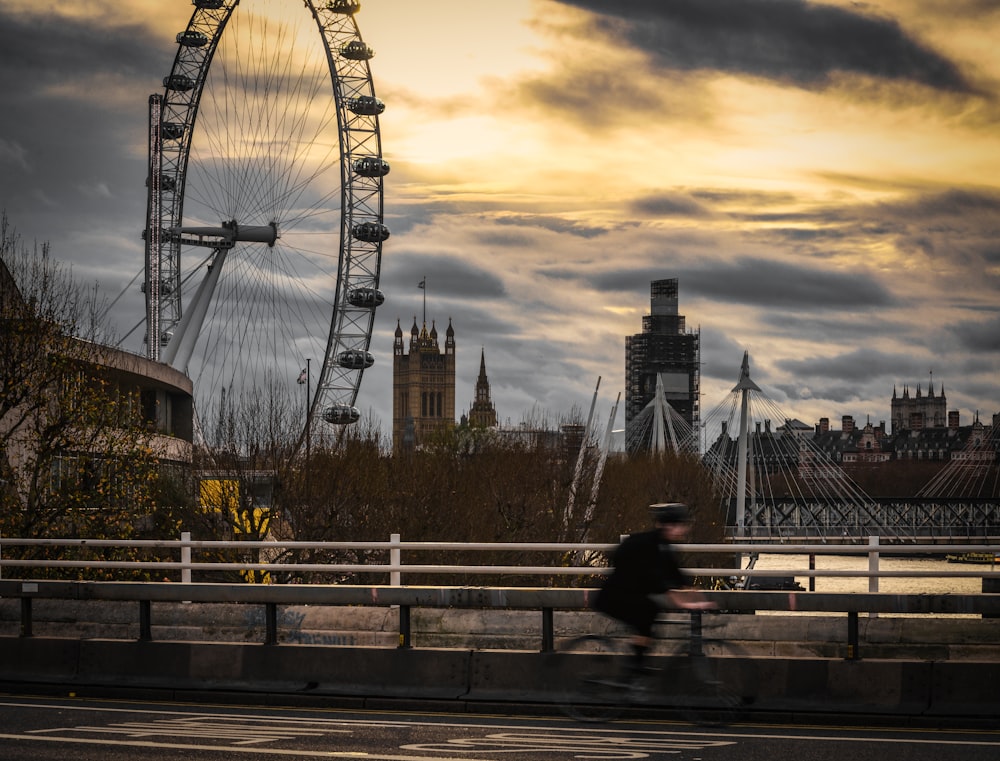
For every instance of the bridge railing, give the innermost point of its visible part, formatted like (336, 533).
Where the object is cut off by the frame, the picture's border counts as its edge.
(569, 560)
(544, 600)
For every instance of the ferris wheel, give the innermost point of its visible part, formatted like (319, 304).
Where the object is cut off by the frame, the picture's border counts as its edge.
(264, 225)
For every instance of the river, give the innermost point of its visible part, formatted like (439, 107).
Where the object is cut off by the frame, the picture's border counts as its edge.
(943, 576)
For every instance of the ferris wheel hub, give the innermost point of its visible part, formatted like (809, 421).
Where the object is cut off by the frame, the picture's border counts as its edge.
(227, 235)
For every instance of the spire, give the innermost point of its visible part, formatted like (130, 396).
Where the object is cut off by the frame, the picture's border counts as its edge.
(449, 339)
(397, 343)
(483, 414)
(744, 383)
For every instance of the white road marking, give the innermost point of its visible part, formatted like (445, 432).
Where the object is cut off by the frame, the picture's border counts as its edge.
(582, 745)
(235, 729)
(361, 755)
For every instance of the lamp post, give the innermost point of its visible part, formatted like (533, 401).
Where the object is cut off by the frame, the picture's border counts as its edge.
(308, 422)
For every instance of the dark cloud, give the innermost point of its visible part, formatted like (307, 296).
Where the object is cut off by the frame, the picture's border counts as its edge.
(959, 203)
(44, 51)
(779, 285)
(978, 336)
(855, 368)
(594, 95)
(449, 278)
(667, 204)
(790, 41)
(67, 173)
(720, 354)
(553, 224)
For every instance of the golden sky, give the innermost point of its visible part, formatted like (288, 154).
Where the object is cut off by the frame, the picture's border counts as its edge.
(820, 177)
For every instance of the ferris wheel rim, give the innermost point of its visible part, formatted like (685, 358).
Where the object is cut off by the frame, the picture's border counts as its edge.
(362, 168)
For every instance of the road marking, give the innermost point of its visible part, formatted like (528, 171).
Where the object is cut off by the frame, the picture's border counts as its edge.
(238, 730)
(868, 739)
(582, 745)
(361, 755)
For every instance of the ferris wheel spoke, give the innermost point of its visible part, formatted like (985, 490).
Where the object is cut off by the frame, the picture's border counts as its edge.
(258, 129)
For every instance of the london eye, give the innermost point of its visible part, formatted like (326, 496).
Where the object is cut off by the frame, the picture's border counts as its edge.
(264, 227)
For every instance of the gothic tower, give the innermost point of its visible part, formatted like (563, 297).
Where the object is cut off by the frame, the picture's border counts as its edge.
(483, 414)
(912, 413)
(423, 386)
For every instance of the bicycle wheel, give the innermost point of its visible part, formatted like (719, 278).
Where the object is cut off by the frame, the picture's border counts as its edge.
(714, 688)
(600, 688)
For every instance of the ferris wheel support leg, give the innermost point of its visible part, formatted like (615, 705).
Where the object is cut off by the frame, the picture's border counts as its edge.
(178, 352)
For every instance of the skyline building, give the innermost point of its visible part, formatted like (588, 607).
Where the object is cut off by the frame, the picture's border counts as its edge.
(482, 414)
(423, 385)
(912, 413)
(665, 351)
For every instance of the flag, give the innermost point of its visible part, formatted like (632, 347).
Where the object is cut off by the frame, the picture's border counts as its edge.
(422, 283)
(302, 377)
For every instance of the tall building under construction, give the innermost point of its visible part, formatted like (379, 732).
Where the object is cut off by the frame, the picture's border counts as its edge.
(667, 350)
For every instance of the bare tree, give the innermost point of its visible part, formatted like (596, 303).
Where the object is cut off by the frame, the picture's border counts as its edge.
(75, 458)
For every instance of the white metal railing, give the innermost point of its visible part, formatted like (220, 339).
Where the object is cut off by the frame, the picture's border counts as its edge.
(185, 549)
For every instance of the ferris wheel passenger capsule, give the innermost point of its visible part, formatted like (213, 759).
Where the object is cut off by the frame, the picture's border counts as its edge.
(370, 166)
(366, 105)
(347, 7)
(178, 82)
(366, 298)
(211, 5)
(355, 359)
(370, 232)
(171, 131)
(192, 39)
(356, 50)
(341, 414)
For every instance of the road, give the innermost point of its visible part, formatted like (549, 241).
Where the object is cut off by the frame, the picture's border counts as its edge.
(36, 729)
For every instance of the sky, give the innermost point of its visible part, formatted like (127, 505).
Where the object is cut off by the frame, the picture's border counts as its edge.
(822, 178)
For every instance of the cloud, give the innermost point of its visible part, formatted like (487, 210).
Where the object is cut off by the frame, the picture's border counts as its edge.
(978, 336)
(69, 52)
(13, 153)
(858, 367)
(668, 204)
(783, 286)
(788, 41)
(553, 224)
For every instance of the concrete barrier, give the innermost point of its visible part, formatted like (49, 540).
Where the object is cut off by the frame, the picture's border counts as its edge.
(475, 646)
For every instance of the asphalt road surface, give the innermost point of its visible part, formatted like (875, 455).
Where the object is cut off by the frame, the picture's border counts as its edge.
(34, 728)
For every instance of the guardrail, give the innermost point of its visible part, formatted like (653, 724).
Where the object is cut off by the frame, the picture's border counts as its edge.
(394, 569)
(544, 600)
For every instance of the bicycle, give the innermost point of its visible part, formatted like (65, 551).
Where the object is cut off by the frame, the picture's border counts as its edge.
(708, 681)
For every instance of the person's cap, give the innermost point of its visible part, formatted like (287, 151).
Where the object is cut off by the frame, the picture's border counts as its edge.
(670, 512)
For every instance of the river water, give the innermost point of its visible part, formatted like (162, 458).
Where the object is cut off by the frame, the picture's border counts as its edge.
(938, 575)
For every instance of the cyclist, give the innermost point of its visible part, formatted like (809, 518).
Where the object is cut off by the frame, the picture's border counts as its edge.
(647, 577)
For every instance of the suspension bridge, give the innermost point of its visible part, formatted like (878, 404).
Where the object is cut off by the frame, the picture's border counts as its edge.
(780, 483)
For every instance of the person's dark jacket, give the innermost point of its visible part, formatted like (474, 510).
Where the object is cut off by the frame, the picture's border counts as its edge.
(644, 565)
